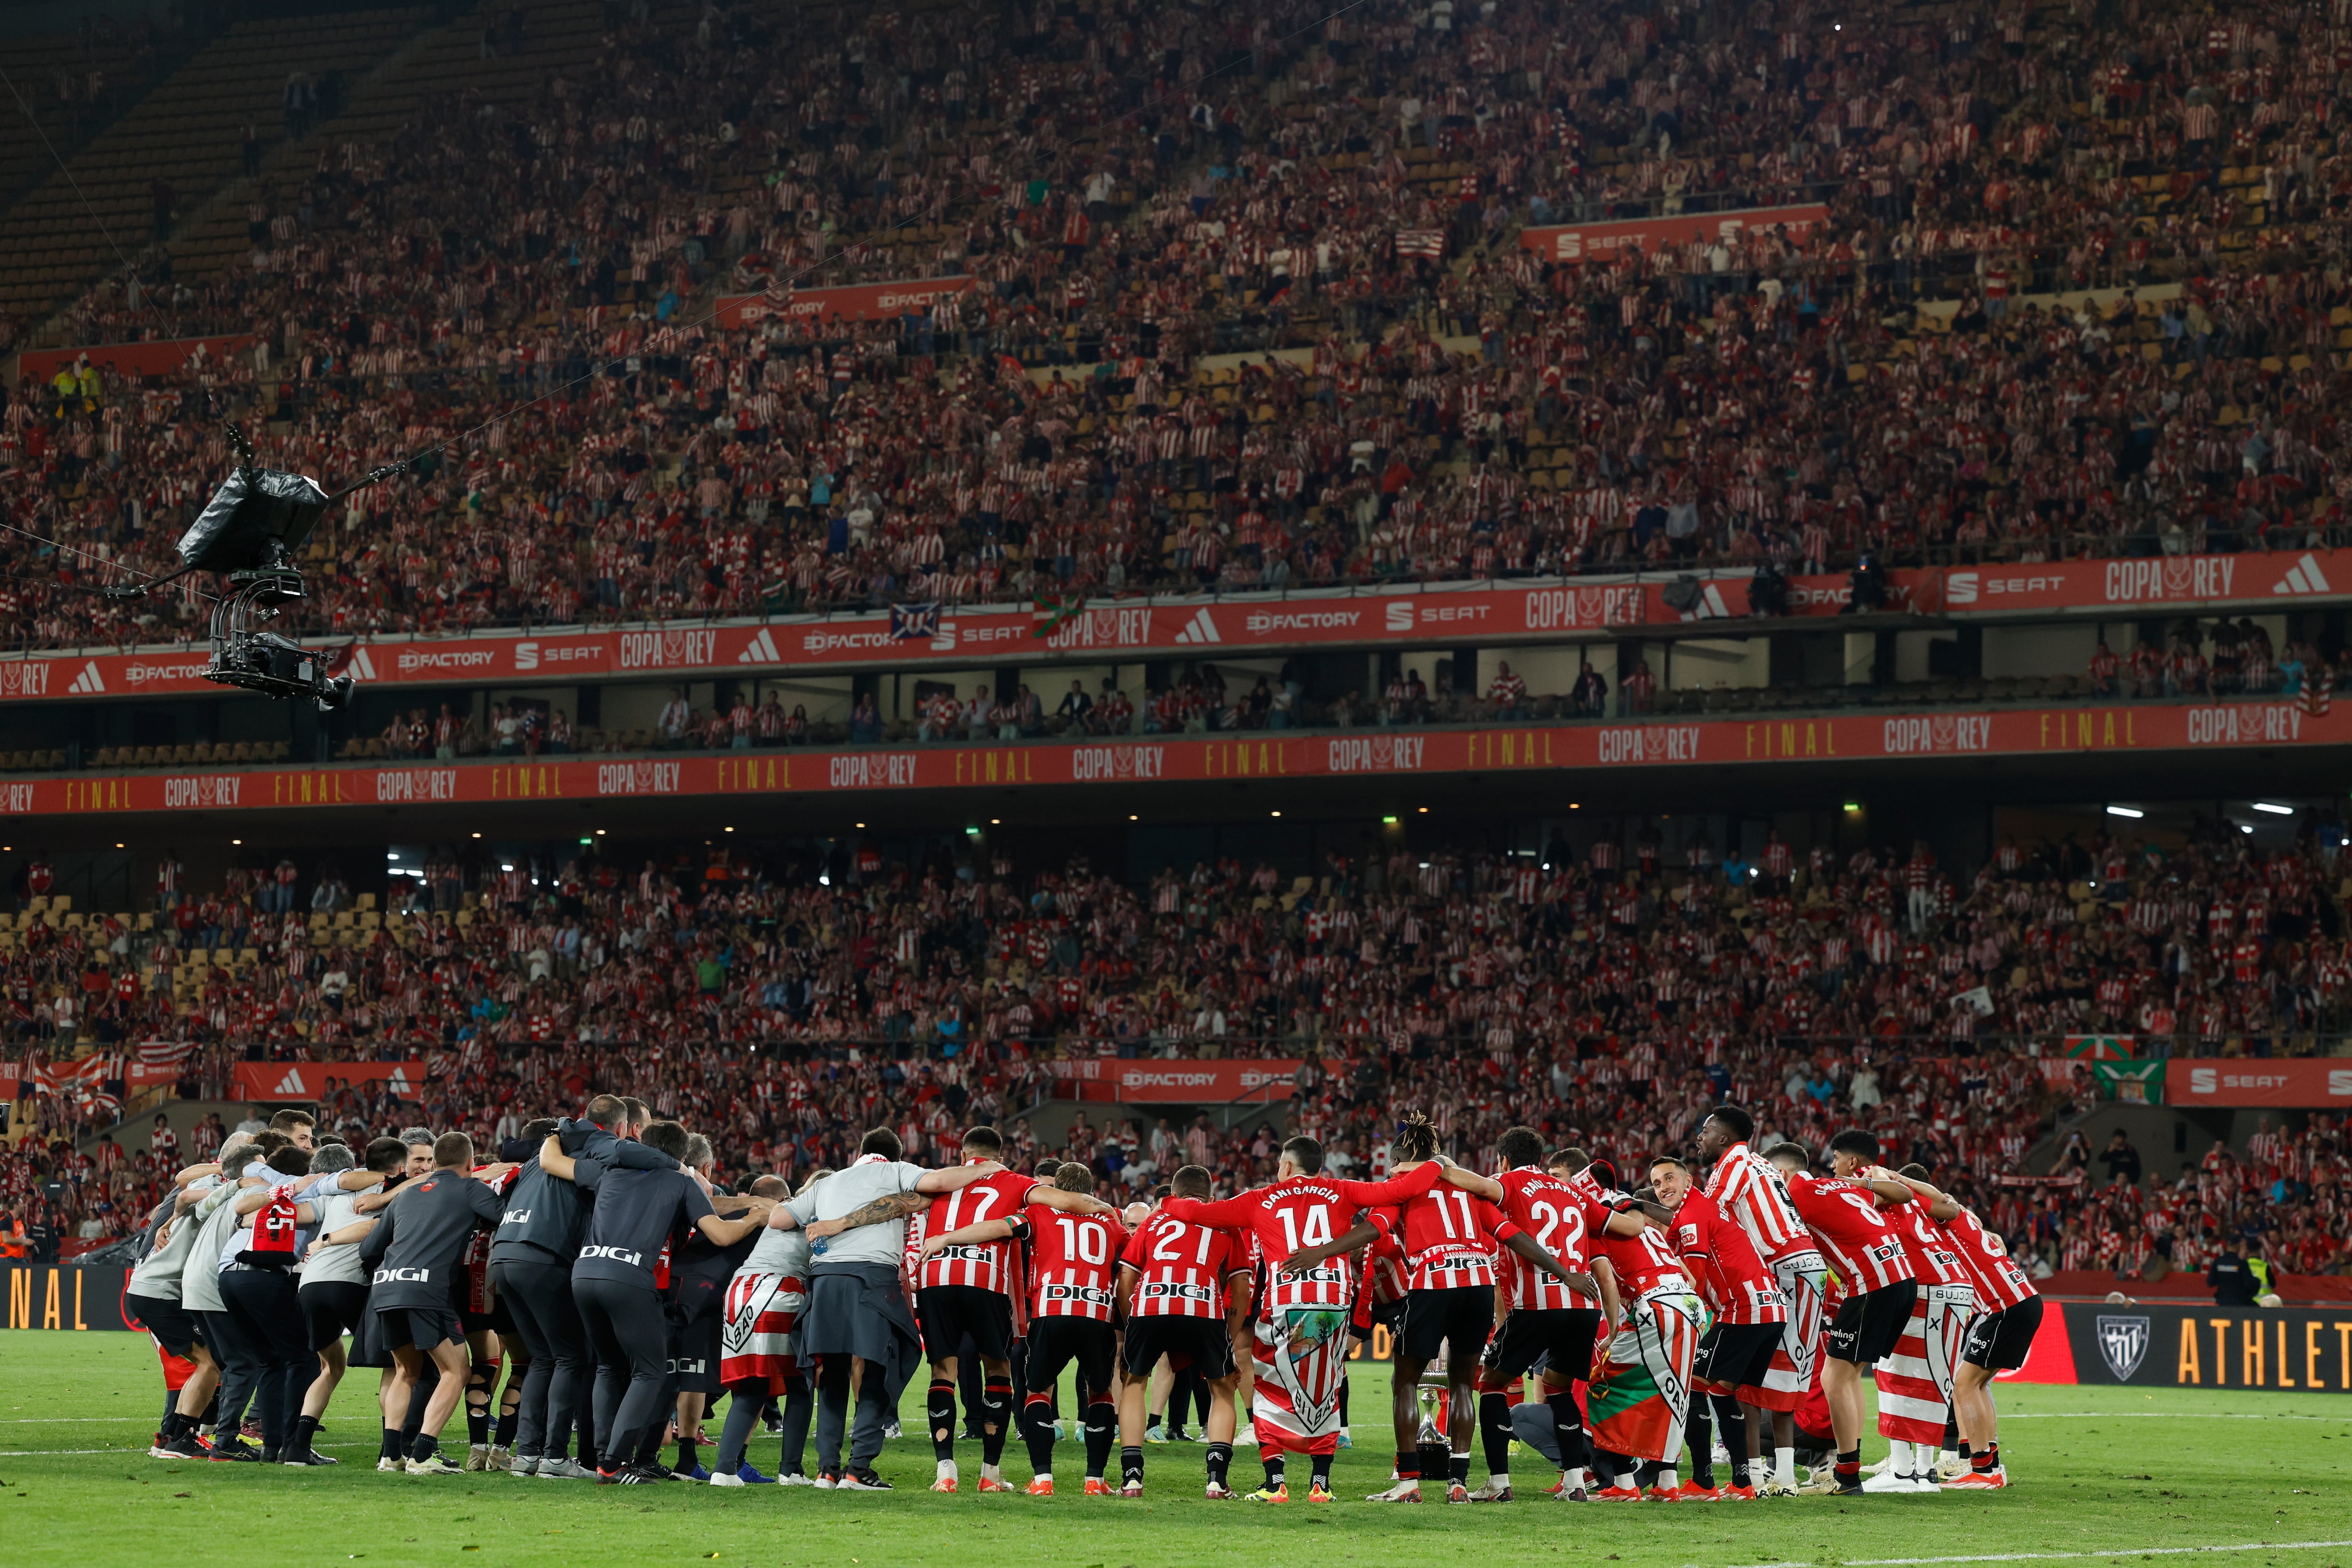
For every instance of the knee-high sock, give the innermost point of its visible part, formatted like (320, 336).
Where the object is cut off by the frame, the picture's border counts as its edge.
(480, 1381)
(1733, 1423)
(1699, 1430)
(1102, 1427)
(996, 1418)
(1568, 1428)
(1037, 1428)
(510, 1410)
(1495, 1428)
(940, 1414)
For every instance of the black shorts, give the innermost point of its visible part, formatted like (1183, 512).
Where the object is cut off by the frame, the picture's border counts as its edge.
(694, 1354)
(948, 1313)
(2000, 1341)
(1737, 1354)
(1560, 1337)
(424, 1326)
(330, 1308)
(1204, 1344)
(1057, 1340)
(174, 1327)
(1462, 1317)
(1869, 1326)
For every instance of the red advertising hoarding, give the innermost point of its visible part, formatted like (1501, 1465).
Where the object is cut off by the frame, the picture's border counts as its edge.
(267, 1083)
(1488, 613)
(1260, 754)
(1178, 1082)
(855, 302)
(2314, 1083)
(1579, 241)
(160, 358)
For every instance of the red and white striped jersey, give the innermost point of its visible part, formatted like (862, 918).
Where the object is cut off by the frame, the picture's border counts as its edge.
(1304, 1211)
(1749, 1189)
(1644, 1261)
(1073, 1261)
(988, 1264)
(2000, 1283)
(1183, 1267)
(1854, 1238)
(1450, 1239)
(1933, 1259)
(1737, 1284)
(1552, 1212)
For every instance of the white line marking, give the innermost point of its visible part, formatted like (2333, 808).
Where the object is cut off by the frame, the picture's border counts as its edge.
(2065, 1557)
(139, 1449)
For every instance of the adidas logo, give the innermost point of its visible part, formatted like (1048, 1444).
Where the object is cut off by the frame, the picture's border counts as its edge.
(89, 681)
(361, 666)
(1201, 628)
(291, 1084)
(762, 650)
(2303, 577)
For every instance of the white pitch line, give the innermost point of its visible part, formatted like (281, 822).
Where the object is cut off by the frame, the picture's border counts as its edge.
(2158, 1416)
(2066, 1556)
(128, 1449)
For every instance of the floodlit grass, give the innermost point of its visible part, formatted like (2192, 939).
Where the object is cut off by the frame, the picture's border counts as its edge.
(2094, 1470)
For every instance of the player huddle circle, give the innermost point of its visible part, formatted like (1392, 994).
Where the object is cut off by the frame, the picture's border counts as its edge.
(623, 1292)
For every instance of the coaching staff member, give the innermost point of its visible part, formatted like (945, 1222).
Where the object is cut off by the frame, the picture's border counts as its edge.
(414, 1251)
(856, 1307)
(613, 1285)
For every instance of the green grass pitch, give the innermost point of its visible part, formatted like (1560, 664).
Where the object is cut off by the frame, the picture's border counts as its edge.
(2262, 1481)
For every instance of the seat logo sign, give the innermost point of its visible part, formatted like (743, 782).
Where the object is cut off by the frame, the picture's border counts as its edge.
(2123, 1341)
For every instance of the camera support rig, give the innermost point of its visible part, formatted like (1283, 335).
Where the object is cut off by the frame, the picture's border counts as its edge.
(249, 533)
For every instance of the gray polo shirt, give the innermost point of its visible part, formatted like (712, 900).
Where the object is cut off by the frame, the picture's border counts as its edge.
(336, 1263)
(159, 1274)
(843, 1194)
(200, 1283)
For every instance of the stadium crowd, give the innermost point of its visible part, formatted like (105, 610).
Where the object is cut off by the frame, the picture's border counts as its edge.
(1136, 190)
(786, 1007)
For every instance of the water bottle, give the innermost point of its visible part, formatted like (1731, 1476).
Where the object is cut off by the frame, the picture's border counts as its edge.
(816, 1247)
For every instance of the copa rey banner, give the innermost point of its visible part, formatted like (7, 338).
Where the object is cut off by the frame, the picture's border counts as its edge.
(68, 1297)
(2287, 1349)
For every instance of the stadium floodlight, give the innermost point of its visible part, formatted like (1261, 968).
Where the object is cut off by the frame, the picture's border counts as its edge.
(2273, 809)
(2133, 812)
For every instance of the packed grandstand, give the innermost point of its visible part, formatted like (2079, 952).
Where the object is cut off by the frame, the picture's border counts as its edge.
(1231, 301)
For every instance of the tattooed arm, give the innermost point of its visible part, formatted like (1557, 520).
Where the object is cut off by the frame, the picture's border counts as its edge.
(894, 1205)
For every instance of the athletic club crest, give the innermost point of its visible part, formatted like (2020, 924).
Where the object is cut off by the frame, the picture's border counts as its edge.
(2123, 1341)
